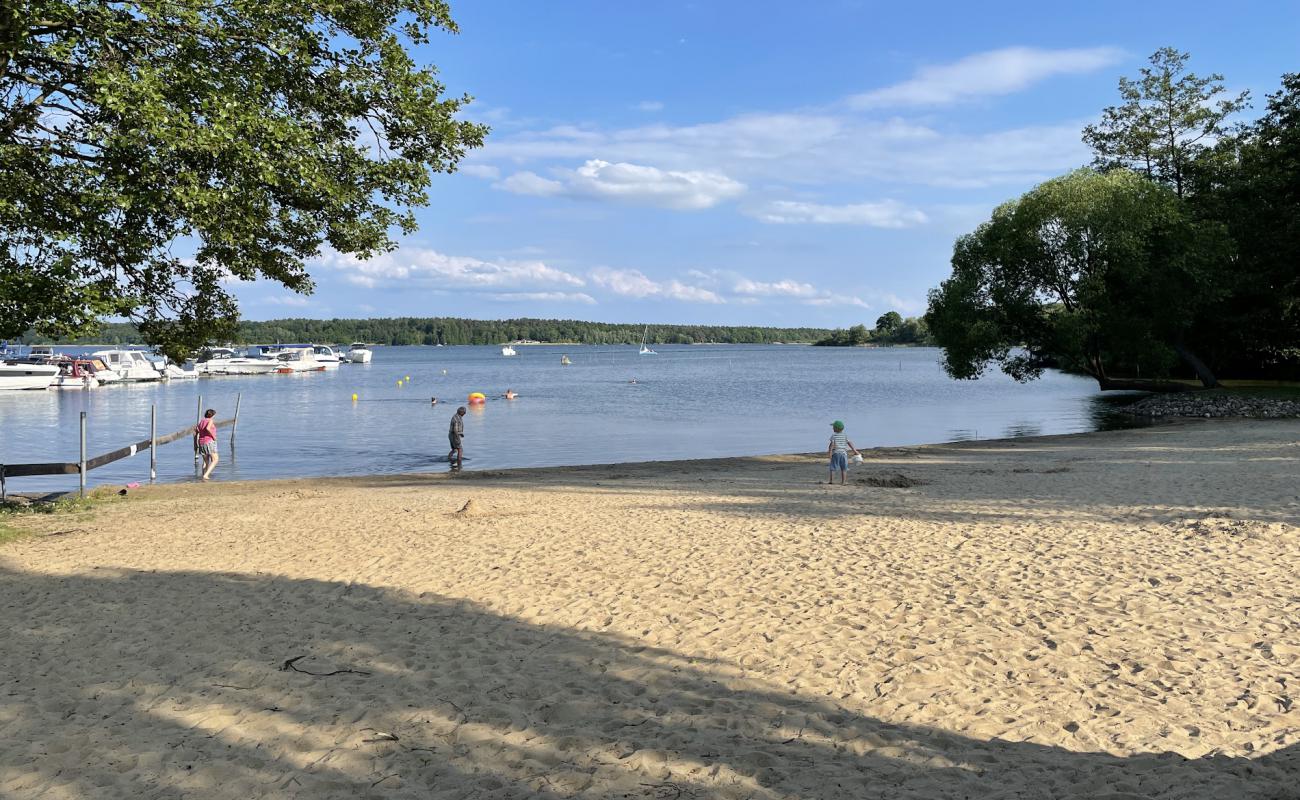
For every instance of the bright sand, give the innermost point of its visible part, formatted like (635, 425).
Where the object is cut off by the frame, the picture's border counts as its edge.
(1105, 615)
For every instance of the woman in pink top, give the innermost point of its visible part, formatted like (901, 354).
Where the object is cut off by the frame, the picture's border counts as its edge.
(205, 434)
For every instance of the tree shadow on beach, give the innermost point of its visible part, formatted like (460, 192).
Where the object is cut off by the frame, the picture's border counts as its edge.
(191, 684)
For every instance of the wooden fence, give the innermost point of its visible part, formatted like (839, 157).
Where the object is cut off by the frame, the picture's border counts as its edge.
(83, 464)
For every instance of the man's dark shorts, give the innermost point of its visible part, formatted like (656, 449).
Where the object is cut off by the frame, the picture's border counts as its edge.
(455, 440)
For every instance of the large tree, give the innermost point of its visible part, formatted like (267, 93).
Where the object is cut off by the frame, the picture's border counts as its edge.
(1170, 120)
(152, 151)
(1255, 191)
(1104, 271)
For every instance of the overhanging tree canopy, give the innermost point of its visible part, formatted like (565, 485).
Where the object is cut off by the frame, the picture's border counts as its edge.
(153, 150)
(1096, 269)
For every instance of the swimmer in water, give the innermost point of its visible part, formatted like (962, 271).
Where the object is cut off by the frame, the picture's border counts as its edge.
(510, 394)
(433, 401)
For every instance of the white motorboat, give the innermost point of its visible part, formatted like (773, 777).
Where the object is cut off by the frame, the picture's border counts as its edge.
(129, 365)
(224, 361)
(41, 354)
(172, 372)
(297, 359)
(326, 357)
(15, 376)
(507, 350)
(359, 353)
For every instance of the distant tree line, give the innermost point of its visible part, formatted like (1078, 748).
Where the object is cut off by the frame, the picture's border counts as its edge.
(891, 329)
(454, 331)
(1175, 255)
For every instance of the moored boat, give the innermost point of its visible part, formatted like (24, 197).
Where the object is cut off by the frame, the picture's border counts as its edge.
(16, 376)
(129, 365)
(77, 373)
(297, 359)
(326, 357)
(507, 350)
(225, 361)
(360, 353)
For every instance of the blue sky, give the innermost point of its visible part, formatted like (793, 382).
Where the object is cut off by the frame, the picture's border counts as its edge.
(757, 162)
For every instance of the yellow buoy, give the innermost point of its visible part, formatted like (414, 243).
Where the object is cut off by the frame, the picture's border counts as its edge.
(408, 378)
(399, 382)
(354, 397)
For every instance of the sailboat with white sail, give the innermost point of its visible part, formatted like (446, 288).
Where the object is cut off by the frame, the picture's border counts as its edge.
(645, 349)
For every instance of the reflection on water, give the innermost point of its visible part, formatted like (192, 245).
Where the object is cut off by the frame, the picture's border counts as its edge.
(609, 405)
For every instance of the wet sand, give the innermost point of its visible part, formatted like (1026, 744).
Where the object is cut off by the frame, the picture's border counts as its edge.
(1101, 615)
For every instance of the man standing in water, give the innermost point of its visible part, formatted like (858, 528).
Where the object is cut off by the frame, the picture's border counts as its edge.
(455, 434)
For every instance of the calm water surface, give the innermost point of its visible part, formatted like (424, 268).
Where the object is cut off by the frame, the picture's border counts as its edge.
(686, 402)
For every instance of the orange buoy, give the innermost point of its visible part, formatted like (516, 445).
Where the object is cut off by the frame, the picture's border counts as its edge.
(477, 398)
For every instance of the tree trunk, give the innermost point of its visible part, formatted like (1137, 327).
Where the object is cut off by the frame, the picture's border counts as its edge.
(1202, 370)
(1139, 385)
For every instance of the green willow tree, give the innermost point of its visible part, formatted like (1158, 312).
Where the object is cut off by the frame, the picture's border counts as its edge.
(1098, 270)
(151, 151)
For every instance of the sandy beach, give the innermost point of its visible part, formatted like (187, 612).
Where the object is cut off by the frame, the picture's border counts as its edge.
(1109, 615)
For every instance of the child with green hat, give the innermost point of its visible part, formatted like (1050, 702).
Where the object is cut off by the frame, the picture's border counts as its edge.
(839, 451)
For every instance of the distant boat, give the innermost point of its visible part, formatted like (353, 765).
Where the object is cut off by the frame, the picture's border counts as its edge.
(507, 350)
(359, 353)
(564, 361)
(645, 349)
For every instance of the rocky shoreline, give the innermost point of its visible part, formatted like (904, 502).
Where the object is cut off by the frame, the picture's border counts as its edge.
(1191, 404)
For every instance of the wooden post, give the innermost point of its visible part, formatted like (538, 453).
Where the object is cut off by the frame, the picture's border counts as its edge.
(81, 464)
(235, 425)
(198, 415)
(3, 497)
(153, 442)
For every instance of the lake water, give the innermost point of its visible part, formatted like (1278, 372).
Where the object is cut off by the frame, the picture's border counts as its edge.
(686, 402)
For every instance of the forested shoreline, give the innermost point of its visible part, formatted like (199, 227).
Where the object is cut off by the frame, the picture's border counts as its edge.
(457, 331)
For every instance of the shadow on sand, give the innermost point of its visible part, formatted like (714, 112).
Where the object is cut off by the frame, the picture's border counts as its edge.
(174, 684)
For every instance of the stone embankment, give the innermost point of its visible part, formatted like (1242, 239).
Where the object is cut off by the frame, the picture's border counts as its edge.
(1192, 404)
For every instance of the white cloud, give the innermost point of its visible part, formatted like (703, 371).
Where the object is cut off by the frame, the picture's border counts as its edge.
(545, 297)
(431, 269)
(785, 288)
(804, 293)
(885, 214)
(530, 183)
(992, 73)
(807, 148)
(895, 303)
(634, 283)
(485, 171)
(291, 300)
(631, 183)
(649, 105)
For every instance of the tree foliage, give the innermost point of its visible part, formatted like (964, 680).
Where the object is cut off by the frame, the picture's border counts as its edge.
(1254, 190)
(889, 321)
(891, 329)
(153, 150)
(1094, 268)
(1168, 124)
(457, 331)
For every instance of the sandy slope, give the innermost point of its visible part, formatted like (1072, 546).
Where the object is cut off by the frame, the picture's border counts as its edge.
(1108, 615)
